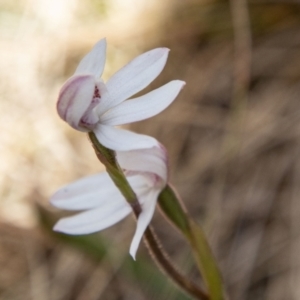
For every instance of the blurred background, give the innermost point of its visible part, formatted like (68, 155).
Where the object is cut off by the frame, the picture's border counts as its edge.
(232, 136)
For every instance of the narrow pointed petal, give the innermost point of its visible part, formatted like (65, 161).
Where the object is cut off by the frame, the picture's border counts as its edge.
(123, 140)
(86, 193)
(75, 98)
(137, 74)
(148, 207)
(153, 160)
(94, 220)
(143, 107)
(93, 63)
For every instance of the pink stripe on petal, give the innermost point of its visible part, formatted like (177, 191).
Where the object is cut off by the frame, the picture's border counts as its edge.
(74, 99)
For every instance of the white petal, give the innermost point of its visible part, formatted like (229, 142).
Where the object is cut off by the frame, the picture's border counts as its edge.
(93, 63)
(143, 107)
(123, 140)
(148, 207)
(136, 75)
(94, 220)
(153, 160)
(87, 193)
(74, 99)
(139, 184)
(105, 100)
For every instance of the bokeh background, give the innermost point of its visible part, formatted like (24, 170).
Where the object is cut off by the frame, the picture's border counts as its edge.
(232, 136)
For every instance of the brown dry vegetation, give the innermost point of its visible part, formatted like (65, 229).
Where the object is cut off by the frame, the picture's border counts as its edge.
(232, 137)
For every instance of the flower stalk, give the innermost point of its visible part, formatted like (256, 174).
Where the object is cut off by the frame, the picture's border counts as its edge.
(173, 208)
(108, 158)
(136, 163)
(164, 263)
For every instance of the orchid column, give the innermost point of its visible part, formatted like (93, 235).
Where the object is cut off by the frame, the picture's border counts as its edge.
(137, 169)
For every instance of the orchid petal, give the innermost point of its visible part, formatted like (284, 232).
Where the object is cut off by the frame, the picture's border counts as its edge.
(137, 74)
(143, 107)
(86, 193)
(123, 140)
(93, 63)
(105, 99)
(75, 98)
(152, 160)
(148, 207)
(95, 219)
(138, 184)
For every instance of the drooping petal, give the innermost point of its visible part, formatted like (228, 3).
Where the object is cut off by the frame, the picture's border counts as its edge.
(93, 63)
(95, 219)
(143, 107)
(153, 160)
(148, 206)
(75, 98)
(137, 74)
(86, 193)
(123, 140)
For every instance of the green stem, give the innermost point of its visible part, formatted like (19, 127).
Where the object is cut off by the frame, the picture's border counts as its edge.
(108, 158)
(164, 263)
(173, 209)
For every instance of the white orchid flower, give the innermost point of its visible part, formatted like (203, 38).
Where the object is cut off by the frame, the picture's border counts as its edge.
(102, 202)
(88, 104)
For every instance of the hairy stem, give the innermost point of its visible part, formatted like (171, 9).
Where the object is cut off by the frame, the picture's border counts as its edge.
(163, 261)
(174, 210)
